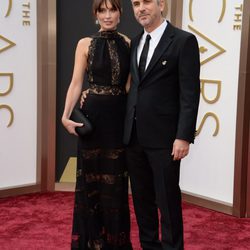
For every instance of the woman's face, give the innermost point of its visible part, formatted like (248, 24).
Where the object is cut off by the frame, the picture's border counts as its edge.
(108, 17)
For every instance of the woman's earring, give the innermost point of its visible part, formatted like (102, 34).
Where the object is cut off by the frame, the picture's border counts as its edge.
(96, 22)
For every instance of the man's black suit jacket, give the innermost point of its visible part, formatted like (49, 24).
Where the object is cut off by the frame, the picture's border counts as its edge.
(165, 100)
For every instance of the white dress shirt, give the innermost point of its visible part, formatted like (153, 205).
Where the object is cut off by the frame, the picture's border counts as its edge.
(155, 38)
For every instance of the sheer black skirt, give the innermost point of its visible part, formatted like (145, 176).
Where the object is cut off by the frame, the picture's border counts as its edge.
(101, 214)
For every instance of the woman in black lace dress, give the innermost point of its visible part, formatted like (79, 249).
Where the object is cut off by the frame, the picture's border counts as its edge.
(101, 213)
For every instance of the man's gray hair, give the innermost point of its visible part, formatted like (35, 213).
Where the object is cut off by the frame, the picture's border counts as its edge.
(166, 7)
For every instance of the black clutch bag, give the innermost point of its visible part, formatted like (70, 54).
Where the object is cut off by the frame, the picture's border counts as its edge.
(78, 116)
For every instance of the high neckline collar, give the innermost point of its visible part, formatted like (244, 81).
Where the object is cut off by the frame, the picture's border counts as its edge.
(107, 33)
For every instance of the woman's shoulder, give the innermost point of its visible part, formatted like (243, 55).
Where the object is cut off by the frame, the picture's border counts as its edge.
(125, 38)
(83, 45)
(84, 42)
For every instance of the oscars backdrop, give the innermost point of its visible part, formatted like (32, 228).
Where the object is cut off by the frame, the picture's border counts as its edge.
(18, 93)
(209, 170)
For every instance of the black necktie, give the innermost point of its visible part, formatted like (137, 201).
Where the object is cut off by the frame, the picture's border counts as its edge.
(144, 55)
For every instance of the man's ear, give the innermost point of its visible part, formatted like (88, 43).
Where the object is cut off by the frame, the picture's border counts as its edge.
(165, 9)
(163, 6)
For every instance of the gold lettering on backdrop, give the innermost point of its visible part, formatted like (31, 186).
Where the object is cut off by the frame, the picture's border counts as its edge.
(203, 49)
(191, 10)
(9, 109)
(219, 48)
(26, 14)
(4, 106)
(208, 56)
(10, 44)
(206, 116)
(218, 92)
(9, 8)
(11, 80)
(223, 10)
(238, 17)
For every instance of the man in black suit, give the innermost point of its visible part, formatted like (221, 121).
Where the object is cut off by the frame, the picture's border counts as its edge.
(160, 122)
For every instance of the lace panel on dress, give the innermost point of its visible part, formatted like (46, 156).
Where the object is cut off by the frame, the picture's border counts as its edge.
(115, 64)
(90, 59)
(108, 153)
(106, 90)
(105, 178)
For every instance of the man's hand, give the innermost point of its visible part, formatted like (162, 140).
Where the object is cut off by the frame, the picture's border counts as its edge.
(180, 149)
(83, 97)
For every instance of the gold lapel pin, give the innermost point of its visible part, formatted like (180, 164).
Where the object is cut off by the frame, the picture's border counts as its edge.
(164, 63)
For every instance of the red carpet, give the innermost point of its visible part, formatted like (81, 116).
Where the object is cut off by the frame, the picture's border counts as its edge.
(43, 221)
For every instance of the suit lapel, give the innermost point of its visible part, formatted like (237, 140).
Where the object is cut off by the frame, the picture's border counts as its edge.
(162, 46)
(134, 66)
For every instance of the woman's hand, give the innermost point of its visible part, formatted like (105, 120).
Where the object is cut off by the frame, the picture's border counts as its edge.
(71, 126)
(83, 97)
